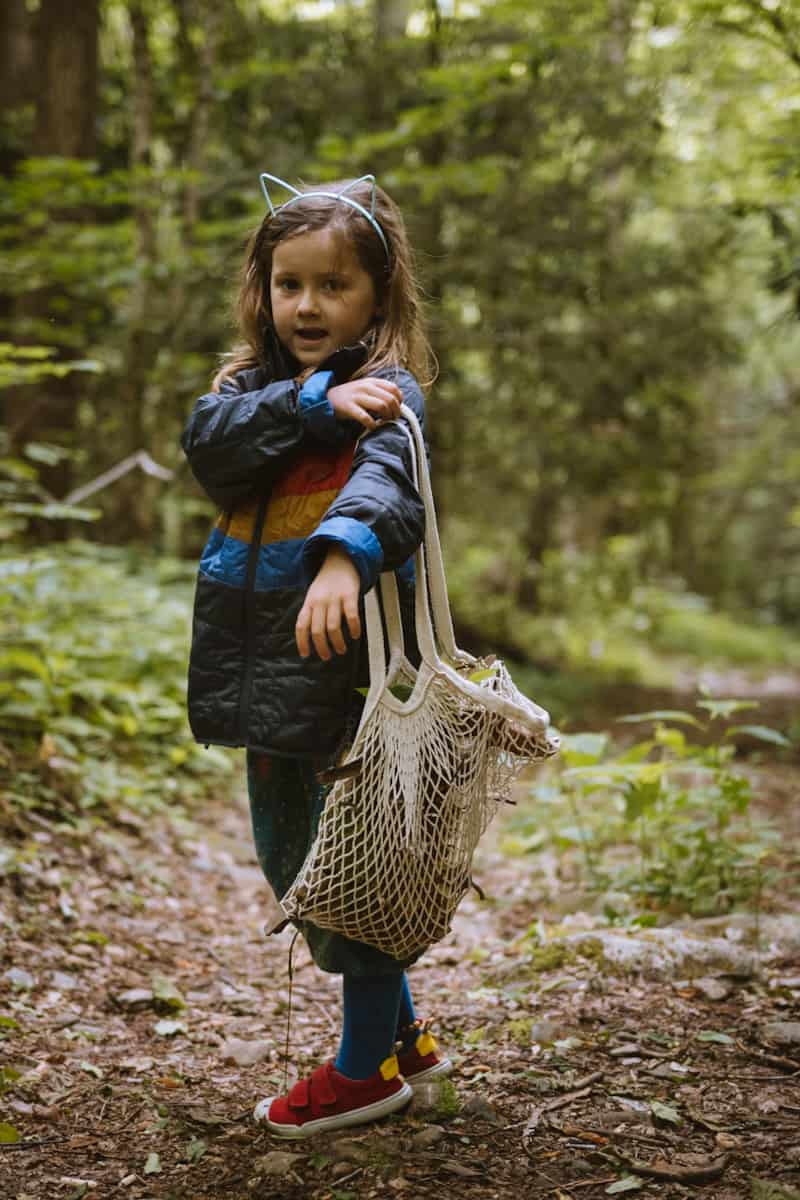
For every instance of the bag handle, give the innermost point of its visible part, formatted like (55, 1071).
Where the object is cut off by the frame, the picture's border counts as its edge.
(432, 616)
(437, 582)
(430, 573)
(429, 569)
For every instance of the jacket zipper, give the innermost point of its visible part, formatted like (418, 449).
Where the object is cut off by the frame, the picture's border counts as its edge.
(250, 620)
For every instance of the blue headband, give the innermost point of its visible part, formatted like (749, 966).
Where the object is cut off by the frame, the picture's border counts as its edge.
(370, 216)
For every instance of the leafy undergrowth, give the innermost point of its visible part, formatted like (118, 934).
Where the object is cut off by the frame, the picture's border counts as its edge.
(665, 824)
(136, 986)
(92, 686)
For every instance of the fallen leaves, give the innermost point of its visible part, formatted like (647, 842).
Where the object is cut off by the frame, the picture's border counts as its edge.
(167, 1028)
(664, 1112)
(711, 1035)
(166, 997)
(118, 1068)
(153, 1164)
(628, 1183)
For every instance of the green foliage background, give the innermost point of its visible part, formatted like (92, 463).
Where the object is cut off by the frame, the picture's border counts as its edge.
(603, 196)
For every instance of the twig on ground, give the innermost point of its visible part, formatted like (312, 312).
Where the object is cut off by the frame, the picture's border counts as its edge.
(567, 1098)
(358, 1171)
(581, 1183)
(540, 1110)
(772, 1060)
(757, 1078)
(602, 1137)
(33, 1144)
(704, 1173)
(587, 1080)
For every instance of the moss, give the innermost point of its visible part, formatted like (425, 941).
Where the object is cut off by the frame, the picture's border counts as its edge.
(763, 1189)
(593, 949)
(550, 957)
(447, 1103)
(474, 1037)
(519, 1030)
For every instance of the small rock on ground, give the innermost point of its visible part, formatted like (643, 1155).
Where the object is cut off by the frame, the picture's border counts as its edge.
(479, 1106)
(277, 1162)
(785, 1032)
(713, 989)
(350, 1151)
(427, 1137)
(246, 1054)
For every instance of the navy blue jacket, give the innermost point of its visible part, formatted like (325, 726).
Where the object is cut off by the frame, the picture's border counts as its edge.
(290, 481)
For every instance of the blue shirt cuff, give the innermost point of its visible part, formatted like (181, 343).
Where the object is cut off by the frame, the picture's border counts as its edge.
(315, 408)
(356, 538)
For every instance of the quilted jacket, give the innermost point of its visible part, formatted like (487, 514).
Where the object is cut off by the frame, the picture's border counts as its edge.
(290, 481)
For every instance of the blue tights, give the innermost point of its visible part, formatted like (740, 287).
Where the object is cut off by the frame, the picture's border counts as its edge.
(377, 1009)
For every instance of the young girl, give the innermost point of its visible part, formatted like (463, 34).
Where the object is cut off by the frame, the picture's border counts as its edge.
(299, 446)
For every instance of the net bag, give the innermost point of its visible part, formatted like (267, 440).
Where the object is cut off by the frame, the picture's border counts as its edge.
(437, 750)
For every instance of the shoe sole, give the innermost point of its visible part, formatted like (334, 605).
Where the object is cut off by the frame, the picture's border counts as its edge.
(442, 1068)
(356, 1116)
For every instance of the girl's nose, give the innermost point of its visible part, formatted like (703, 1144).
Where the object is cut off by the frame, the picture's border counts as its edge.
(307, 302)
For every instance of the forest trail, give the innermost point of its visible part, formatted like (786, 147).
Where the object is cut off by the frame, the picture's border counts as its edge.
(573, 1076)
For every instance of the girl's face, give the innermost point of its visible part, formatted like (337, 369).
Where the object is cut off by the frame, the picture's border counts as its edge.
(321, 296)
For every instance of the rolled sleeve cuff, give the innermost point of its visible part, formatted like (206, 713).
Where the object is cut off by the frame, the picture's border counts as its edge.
(356, 538)
(314, 406)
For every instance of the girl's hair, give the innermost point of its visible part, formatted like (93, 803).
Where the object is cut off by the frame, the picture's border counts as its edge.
(399, 337)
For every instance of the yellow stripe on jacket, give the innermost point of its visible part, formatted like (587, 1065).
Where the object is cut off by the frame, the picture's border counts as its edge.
(298, 501)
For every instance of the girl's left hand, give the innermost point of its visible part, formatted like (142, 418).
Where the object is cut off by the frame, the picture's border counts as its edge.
(332, 596)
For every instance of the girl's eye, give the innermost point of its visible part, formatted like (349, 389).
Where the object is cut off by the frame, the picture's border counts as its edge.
(332, 285)
(288, 285)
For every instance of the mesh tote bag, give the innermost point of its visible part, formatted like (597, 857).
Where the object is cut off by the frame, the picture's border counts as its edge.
(437, 750)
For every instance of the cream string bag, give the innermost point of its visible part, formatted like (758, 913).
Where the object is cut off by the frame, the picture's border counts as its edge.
(436, 752)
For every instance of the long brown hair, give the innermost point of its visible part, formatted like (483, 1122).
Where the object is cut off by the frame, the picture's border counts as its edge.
(399, 337)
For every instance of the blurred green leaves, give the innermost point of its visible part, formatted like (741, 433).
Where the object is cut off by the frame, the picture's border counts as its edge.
(93, 655)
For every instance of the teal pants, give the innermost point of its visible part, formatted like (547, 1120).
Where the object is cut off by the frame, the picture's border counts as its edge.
(286, 801)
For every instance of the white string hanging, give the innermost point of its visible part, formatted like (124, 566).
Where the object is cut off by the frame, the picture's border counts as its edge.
(437, 750)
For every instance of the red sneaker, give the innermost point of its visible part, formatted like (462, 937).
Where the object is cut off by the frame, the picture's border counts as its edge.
(424, 1060)
(329, 1100)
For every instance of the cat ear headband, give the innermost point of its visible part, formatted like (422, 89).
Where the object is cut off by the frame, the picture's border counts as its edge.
(345, 199)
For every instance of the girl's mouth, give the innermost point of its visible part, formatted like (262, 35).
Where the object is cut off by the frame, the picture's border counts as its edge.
(312, 335)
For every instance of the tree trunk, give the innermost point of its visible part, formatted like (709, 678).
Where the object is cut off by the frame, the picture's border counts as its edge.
(66, 70)
(16, 92)
(201, 115)
(133, 498)
(65, 75)
(16, 79)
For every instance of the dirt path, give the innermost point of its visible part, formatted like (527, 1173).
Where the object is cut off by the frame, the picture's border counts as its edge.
(572, 1076)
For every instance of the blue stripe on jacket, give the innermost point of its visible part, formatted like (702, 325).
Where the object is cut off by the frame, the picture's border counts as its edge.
(292, 563)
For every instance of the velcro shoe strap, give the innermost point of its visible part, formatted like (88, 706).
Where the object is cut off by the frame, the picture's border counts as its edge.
(300, 1095)
(321, 1086)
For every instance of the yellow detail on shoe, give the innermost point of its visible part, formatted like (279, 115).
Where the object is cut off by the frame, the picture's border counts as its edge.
(426, 1044)
(390, 1067)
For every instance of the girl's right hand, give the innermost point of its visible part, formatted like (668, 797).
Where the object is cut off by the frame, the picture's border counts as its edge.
(367, 401)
